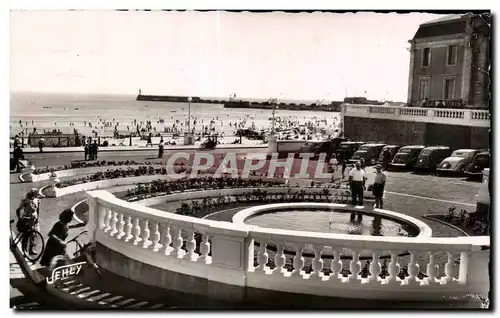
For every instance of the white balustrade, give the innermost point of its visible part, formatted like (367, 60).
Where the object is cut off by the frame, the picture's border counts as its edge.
(463, 117)
(128, 228)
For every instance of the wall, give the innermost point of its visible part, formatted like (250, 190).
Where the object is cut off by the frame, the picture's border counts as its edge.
(436, 71)
(407, 133)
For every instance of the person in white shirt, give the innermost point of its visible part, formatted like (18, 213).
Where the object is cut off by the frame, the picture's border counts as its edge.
(378, 187)
(357, 179)
(333, 166)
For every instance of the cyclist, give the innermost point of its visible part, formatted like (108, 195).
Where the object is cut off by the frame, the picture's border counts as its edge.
(56, 244)
(29, 219)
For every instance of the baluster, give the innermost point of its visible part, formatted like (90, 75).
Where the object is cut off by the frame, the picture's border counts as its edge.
(317, 262)
(128, 229)
(155, 238)
(177, 243)
(165, 238)
(263, 257)
(204, 248)
(102, 217)
(375, 267)
(120, 227)
(298, 260)
(335, 266)
(413, 270)
(393, 269)
(191, 245)
(145, 233)
(355, 268)
(107, 220)
(279, 259)
(137, 231)
(112, 223)
(448, 270)
(432, 269)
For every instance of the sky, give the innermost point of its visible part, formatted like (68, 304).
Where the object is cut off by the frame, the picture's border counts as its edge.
(258, 55)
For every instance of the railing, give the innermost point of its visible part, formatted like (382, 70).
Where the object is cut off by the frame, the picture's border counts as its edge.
(464, 117)
(227, 253)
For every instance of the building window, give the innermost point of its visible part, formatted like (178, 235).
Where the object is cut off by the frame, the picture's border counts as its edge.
(451, 55)
(423, 90)
(426, 57)
(449, 89)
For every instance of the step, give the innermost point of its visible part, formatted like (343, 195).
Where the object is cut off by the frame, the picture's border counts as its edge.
(138, 305)
(80, 290)
(110, 301)
(123, 303)
(157, 306)
(88, 294)
(98, 297)
(68, 289)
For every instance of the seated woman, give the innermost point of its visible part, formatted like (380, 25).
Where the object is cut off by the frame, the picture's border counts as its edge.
(56, 244)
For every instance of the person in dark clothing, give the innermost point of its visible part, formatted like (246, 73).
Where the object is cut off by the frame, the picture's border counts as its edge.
(56, 244)
(93, 149)
(150, 142)
(18, 155)
(386, 158)
(160, 148)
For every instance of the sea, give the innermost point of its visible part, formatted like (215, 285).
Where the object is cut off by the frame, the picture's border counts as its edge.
(67, 112)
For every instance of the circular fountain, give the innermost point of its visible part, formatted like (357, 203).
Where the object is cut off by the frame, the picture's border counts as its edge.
(334, 218)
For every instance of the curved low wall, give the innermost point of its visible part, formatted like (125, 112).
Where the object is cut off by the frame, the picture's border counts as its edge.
(220, 259)
(31, 177)
(424, 229)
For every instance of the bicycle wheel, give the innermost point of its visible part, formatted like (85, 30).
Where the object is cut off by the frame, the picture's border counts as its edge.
(34, 246)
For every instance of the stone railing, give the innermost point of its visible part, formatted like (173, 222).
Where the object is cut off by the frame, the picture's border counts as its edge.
(227, 254)
(463, 117)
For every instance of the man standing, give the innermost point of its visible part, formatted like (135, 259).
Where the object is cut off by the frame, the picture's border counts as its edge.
(378, 187)
(386, 158)
(357, 179)
(94, 148)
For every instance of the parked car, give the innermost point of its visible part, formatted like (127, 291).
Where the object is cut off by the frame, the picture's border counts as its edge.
(406, 157)
(393, 150)
(456, 163)
(430, 157)
(328, 147)
(474, 170)
(347, 149)
(369, 152)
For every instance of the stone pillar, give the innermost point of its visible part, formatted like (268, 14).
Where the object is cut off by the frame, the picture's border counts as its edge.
(467, 65)
(479, 274)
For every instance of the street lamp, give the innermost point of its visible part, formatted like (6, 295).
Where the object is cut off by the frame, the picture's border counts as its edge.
(274, 101)
(189, 115)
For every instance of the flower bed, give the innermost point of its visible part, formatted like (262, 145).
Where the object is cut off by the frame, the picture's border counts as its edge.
(91, 164)
(120, 173)
(163, 187)
(468, 222)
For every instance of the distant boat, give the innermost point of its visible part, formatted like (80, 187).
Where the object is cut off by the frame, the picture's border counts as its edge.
(77, 108)
(173, 111)
(47, 107)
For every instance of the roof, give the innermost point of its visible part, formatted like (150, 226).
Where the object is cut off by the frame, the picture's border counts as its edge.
(414, 146)
(436, 147)
(466, 150)
(373, 145)
(449, 17)
(447, 25)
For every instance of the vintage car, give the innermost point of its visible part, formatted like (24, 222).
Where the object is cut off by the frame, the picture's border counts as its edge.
(474, 170)
(430, 158)
(369, 152)
(406, 157)
(393, 150)
(328, 147)
(456, 163)
(347, 149)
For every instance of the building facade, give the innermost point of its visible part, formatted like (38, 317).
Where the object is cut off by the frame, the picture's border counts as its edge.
(450, 62)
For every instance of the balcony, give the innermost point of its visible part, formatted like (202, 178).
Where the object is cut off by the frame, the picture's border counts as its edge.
(461, 117)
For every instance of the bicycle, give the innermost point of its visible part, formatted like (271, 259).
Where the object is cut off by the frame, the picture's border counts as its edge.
(27, 236)
(81, 250)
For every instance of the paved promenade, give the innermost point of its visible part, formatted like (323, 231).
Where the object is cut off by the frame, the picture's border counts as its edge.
(414, 195)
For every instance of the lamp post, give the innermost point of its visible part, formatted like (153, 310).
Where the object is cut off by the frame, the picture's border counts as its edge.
(274, 101)
(272, 146)
(188, 140)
